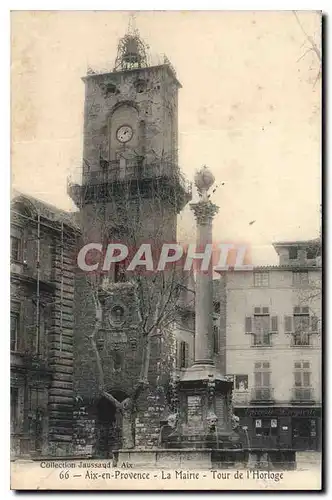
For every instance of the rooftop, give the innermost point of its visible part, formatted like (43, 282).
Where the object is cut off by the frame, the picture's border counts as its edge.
(34, 207)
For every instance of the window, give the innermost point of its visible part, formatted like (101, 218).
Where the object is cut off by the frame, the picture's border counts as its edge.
(301, 336)
(293, 253)
(15, 248)
(140, 86)
(184, 348)
(120, 272)
(110, 89)
(262, 381)
(261, 279)
(302, 374)
(266, 427)
(261, 326)
(216, 307)
(300, 278)
(215, 339)
(261, 334)
(13, 408)
(312, 253)
(262, 374)
(302, 381)
(241, 383)
(14, 330)
(36, 414)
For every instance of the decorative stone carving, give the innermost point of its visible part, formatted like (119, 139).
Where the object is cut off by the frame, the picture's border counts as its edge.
(172, 420)
(117, 315)
(211, 420)
(204, 211)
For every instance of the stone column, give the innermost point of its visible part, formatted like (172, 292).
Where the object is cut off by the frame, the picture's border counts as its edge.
(204, 212)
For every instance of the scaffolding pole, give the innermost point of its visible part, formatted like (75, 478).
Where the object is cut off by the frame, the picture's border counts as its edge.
(61, 288)
(38, 289)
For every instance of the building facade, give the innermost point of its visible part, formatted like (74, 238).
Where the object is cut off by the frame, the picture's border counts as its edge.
(41, 325)
(273, 348)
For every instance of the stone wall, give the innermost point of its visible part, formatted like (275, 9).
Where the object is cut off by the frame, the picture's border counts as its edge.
(61, 346)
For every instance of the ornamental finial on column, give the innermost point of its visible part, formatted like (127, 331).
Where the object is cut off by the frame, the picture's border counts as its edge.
(204, 210)
(204, 179)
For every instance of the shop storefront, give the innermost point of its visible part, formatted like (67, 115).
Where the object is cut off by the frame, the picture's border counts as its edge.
(281, 427)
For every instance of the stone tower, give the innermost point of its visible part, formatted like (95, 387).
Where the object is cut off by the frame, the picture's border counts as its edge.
(131, 191)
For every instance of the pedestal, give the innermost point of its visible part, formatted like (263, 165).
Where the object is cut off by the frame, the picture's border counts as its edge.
(205, 412)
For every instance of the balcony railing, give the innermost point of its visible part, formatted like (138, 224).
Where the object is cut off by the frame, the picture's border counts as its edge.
(261, 340)
(302, 394)
(134, 169)
(301, 340)
(262, 394)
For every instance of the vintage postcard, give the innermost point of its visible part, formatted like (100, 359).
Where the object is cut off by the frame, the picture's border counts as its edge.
(166, 250)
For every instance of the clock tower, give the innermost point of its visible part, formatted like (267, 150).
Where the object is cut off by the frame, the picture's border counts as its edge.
(131, 191)
(130, 146)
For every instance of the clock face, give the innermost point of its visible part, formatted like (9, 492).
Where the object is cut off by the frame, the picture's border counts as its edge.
(124, 133)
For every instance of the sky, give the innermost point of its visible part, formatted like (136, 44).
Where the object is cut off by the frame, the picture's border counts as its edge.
(250, 109)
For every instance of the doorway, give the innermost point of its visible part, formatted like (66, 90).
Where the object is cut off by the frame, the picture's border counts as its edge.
(304, 432)
(106, 428)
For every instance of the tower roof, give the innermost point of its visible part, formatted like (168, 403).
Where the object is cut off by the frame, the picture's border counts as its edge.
(132, 50)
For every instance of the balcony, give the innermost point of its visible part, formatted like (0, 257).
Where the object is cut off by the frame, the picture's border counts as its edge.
(130, 172)
(301, 340)
(261, 340)
(262, 395)
(302, 395)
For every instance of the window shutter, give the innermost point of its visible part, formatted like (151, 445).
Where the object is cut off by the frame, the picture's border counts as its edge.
(258, 379)
(274, 324)
(178, 354)
(297, 379)
(306, 379)
(183, 348)
(215, 340)
(289, 324)
(248, 324)
(186, 354)
(314, 324)
(266, 379)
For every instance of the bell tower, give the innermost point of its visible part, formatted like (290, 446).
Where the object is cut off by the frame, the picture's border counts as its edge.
(130, 146)
(131, 191)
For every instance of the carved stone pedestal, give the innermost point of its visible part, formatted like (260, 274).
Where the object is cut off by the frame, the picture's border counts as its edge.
(205, 413)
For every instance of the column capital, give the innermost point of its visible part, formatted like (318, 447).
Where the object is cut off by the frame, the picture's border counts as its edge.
(204, 211)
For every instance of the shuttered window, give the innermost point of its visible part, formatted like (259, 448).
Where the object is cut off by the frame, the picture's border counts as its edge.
(302, 374)
(248, 324)
(184, 354)
(14, 330)
(300, 278)
(261, 325)
(215, 339)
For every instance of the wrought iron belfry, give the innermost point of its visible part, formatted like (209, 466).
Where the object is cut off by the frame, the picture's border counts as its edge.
(132, 51)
